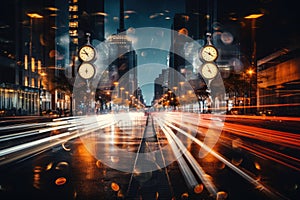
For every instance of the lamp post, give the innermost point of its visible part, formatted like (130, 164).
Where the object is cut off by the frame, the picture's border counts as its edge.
(32, 16)
(121, 90)
(116, 84)
(41, 93)
(121, 95)
(40, 89)
(250, 72)
(253, 18)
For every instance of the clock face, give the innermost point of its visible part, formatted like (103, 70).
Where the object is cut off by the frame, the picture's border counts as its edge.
(87, 53)
(209, 70)
(86, 71)
(209, 53)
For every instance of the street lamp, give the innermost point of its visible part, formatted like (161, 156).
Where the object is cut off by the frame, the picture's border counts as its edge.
(116, 84)
(253, 18)
(121, 95)
(40, 91)
(32, 16)
(122, 88)
(250, 72)
(246, 74)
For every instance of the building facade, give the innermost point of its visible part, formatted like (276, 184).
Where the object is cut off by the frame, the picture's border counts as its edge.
(278, 89)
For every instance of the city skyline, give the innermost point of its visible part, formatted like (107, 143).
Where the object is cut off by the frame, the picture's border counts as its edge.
(233, 34)
(149, 14)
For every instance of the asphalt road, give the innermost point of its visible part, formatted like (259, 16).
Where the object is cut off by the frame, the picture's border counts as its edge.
(248, 161)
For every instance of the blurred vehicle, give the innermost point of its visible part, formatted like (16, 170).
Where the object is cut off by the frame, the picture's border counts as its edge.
(266, 113)
(51, 113)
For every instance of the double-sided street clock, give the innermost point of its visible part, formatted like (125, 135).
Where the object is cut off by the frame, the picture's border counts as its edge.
(87, 54)
(209, 52)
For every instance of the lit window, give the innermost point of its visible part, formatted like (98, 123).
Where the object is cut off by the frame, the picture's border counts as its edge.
(32, 82)
(73, 17)
(73, 8)
(73, 33)
(32, 64)
(73, 24)
(25, 62)
(75, 40)
(39, 65)
(26, 80)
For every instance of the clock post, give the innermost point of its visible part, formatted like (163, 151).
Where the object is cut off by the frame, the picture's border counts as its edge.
(87, 54)
(87, 70)
(208, 54)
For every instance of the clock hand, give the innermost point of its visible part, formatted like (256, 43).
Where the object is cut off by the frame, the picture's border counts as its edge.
(86, 53)
(208, 53)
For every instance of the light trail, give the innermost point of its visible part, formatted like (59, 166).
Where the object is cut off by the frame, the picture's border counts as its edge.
(147, 131)
(18, 135)
(186, 124)
(270, 118)
(134, 168)
(22, 126)
(186, 171)
(49, 126)
(163, 159)
(16, 152)
(282, 105)
(24, 146)
(256, 183)
(272, 136)
(261, 151)
(272, 155)
(192, 161)
(269, 157)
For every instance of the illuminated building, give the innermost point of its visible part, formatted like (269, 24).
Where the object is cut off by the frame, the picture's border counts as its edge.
(122, 58)
(279, 83)
(23, 81)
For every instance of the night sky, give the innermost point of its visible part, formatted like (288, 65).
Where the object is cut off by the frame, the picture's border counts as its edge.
(276, 29)
(149, 13)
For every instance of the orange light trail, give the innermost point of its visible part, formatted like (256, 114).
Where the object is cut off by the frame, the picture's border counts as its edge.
(272, 136)
(192, 121)
(268, 156)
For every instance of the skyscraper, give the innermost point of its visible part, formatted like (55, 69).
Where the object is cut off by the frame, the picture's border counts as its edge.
(123, 58)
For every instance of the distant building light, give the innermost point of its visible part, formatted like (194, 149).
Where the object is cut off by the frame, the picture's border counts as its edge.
(32, 64)
(25, 62)
(51, 9)
(101, 13)
(73, 8)
(254, 16)
(26, 80)
(34, 15)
